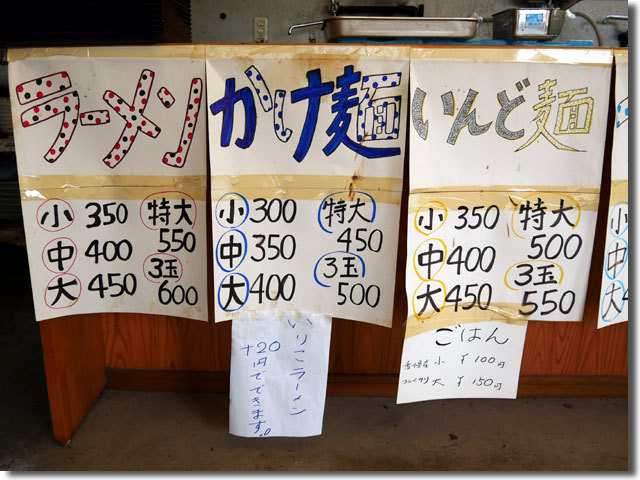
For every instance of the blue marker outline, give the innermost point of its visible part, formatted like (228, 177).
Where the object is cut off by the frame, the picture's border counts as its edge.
(245, 298)
(244, 237)
(373, 216)
(609, 218)
(246, 204)
(621, 306)
(606, 256)
(315, 269)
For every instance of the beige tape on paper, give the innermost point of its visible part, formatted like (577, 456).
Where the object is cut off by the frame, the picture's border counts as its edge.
(497, 312)
(307, 52)
(506, 197)
(569, 56)
(306, 187)
(135, 51)
(619, 192)
(107, 187)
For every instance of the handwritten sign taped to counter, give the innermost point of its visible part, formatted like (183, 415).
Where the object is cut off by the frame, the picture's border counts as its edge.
(614, 296)
(111, 156)
(306, 148)
(470, 360)
(279, 365)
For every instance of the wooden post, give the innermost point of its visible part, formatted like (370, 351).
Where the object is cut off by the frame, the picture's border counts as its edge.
(74, 362)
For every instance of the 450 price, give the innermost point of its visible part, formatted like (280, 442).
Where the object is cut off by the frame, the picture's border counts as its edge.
(127, 284)
(473, 295)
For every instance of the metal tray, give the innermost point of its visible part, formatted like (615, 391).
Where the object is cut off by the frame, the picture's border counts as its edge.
(400, 27)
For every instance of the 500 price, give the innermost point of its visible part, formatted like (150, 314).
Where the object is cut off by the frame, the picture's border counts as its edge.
(358, 294)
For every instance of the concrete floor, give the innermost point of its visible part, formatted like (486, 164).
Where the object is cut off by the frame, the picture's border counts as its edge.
(182, 431)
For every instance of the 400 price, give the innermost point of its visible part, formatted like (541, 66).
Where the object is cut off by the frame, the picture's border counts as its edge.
(274, 287)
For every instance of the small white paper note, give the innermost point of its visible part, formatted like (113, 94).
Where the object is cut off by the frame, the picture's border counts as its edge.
(471, 360)
(279, 364)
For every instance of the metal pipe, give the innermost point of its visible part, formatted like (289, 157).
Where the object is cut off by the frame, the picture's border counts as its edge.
(593, 24)
(615, 17)
(303, 25)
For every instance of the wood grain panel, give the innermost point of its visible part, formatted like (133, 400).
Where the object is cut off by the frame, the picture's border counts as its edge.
(74, 359)
(167, 343)
(362, 385)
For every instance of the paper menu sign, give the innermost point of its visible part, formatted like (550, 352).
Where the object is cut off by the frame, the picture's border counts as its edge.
(111, 153)
(469, 360)
(279, 363)
(502, 207)
(508, 117)
(505, 167)
(306, 147)
(614, 302)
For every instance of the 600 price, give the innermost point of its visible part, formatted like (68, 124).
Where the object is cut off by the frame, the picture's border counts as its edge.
(177, 294)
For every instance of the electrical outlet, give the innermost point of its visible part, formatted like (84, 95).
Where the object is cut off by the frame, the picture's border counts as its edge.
(260, 29)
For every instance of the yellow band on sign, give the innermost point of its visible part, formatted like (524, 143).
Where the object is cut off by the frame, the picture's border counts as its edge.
(619, 192)
(105, 187)
(136, 51)
(569, 56)
(505, 198)
(308, 52)
(497, 312)
(307, 187)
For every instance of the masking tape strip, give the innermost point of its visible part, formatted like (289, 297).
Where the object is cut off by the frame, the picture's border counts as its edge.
(79, 181)
(135, 51)
(506, 200)
(104, 187)
(619, 192)
(306, 181)
(113, 193)
(308, 52)
(509, 188)
(305, 187)
(499, 312)
(557, 55)
(621, 55)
